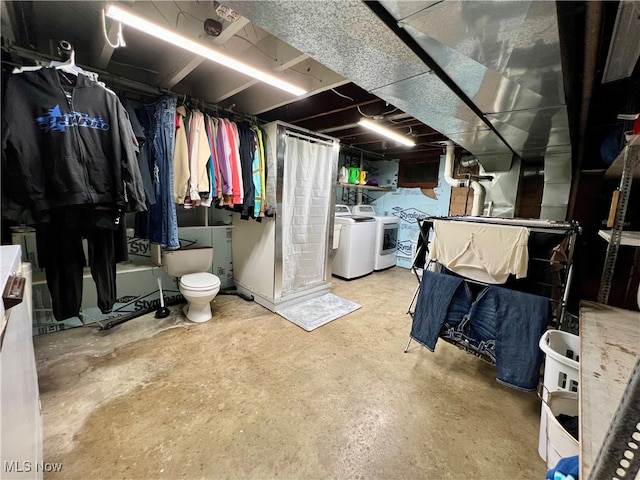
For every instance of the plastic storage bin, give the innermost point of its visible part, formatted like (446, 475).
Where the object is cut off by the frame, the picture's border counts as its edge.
(561, 367)
(554, 441)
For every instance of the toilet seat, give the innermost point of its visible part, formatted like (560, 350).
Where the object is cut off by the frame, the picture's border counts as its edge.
(200, 281)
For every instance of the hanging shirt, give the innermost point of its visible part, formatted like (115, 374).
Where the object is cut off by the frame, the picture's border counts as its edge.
(482, 252)
(232, 156)
(238, 193)
(224, 152)
(258, 174)
(231, 164)
(181, 172)
(210, 172)
(217, 184)
(199, 154)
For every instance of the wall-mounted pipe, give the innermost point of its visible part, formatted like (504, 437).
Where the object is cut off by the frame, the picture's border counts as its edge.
(477, 207)
(448, 167)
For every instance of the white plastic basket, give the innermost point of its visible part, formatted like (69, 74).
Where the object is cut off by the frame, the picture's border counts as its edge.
(561, 368)
(554, 441)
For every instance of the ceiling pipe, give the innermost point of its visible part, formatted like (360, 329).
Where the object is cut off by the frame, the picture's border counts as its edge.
(477, 208)
(448, 167)
(592, 38)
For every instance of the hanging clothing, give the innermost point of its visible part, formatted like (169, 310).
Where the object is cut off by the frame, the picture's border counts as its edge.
(142, 153)
(486, 253)
(258, 174)
(231, 142)
(247, 156)
(65, 142)
(160, 223)
(210, 163)
(502, 324)
(181, 157)
(236, 151)
(226, 164)
(219, 161)
(61, 253)
(199, 154)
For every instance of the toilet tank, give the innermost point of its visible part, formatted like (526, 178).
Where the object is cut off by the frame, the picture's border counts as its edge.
(188, 260)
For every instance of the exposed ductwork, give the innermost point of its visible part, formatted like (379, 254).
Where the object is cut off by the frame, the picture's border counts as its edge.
(477, 209)
(557, 186)
(485, 74)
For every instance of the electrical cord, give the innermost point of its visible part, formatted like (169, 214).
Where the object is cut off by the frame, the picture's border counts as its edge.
(119, 39)
(341, 95)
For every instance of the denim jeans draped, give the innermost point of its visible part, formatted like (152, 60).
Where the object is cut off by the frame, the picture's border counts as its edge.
(501, 324)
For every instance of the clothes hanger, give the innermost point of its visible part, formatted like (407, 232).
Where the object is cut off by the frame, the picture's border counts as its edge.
(68, 64)
(68, 56)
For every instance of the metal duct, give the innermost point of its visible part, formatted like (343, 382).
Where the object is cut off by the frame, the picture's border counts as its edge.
(502, 191)
(349, 38)
(557, 186)
(506, 57)
(486, 74)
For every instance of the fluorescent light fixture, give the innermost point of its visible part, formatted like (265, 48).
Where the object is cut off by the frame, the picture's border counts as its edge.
(386, 132)
(121, 15)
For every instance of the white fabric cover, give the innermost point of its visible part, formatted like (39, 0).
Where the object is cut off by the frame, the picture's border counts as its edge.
(308, 168)
(486, 253)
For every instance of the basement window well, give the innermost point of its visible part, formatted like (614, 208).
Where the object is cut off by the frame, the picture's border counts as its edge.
(420, 174)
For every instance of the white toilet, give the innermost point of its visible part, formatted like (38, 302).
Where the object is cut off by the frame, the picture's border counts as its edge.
(196, 285)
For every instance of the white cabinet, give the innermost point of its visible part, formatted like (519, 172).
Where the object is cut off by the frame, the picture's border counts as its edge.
(20, 416)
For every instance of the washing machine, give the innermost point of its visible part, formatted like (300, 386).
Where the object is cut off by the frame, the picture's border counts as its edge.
(354, 257)
(386, 245)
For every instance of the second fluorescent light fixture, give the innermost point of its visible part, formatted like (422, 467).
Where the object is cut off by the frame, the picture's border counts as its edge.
(386, 132)
(124, 16)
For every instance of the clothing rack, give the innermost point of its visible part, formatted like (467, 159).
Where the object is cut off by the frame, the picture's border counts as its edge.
(557, 293)
(144, 94)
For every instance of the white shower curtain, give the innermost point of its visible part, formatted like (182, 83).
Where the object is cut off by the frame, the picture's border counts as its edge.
(307, 183)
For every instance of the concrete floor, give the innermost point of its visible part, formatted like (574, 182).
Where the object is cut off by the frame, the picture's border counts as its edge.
(250, 395)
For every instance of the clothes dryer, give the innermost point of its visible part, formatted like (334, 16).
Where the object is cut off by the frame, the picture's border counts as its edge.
(354, 257)
(386, 245)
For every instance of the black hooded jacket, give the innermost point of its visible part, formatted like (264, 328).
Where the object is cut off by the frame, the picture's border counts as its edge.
(66, 140)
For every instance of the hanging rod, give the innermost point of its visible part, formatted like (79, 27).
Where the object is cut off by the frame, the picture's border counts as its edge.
(548, 225)
(290, 133)
(126, 83)
(293, 130)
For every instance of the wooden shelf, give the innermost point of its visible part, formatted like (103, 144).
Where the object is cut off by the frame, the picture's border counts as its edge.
(365, 187)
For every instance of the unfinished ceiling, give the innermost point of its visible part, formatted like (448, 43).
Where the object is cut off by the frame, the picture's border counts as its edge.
(487, 75)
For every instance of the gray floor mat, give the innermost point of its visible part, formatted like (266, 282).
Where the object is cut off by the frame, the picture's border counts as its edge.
(318, 311)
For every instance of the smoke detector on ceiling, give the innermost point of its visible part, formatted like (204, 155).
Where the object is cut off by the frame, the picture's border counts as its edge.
(227, 13)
